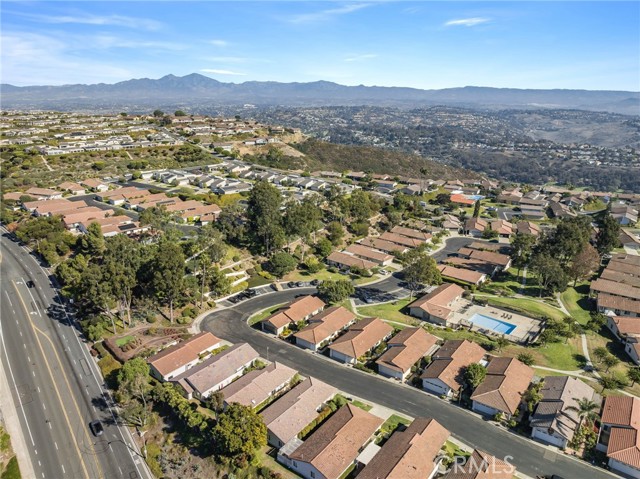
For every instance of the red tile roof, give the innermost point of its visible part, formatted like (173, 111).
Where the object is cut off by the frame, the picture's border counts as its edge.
(507, 379)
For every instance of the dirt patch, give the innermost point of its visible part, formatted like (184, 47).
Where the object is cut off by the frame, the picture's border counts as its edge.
(144, 338)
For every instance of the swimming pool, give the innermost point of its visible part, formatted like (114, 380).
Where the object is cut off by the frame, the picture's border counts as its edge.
(493, 324)
(474, 197)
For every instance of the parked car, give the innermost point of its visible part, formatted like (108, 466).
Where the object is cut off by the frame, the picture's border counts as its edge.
(291, 284)
(251, 293)
(315, 282)
(299, 284)
(96, 428)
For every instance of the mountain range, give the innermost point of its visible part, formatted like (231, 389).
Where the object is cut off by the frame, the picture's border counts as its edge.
(196, 89)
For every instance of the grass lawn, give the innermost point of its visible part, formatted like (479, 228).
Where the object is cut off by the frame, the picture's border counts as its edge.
(577, 302)
(566, 357)
(394, 421)
(607, 340)
(12, 471)
(322, 275)
(511, 282)
(267, 460)
(390, 311)
(528, 307)
(361, 405)
(124, 340)
(256, 318)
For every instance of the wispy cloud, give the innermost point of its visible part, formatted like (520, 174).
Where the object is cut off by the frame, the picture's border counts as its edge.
(325, 15)
(219, 43)
(89, 19)
(106, 42)
(466, 22)
(360, 58)
(228, 59)
(221, 72)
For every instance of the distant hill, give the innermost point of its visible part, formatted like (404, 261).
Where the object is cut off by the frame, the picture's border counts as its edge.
(198, 89)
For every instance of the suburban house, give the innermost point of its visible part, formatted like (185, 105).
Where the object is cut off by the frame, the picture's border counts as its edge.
(444, 375)
(401, 239)
(477, 265)
(334, 446)
(501, 261)
(324, 327)
(346, 261)
(620, 434)
(383, 245)
(412, 233)
(481, 465)
(361, 338)
(504, 228)
(438, 305)
(257, 386)
(293, 411)
(404, 350)
(71, 187)
(502, 389)
(43, 194)
(451, 223)
(627, 330)
(216, 372)
(176, 359)
(95, 185)
(462, 275)
(618, 306)
(300, 309)
(554, 420)
(369, 254)
(528, 228)
(410, 454)
(475, 226)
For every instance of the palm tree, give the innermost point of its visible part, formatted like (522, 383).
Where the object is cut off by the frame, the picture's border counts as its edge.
(587, 410)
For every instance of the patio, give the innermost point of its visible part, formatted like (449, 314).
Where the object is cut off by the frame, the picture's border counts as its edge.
(524, 328)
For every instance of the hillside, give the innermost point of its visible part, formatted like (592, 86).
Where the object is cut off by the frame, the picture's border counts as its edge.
(199, 91)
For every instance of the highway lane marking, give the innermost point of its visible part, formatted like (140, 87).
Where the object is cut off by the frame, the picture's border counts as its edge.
(64, 411)
(63, 471)
(101, 387)
(8, 298)
(55, 444)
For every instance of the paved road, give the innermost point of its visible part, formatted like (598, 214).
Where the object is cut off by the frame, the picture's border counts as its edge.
(530, 458)
(55, 384)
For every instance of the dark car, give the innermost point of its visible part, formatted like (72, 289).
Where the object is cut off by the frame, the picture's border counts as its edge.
(96, 428)
(30, 284)
(251, 293)
(299, 284)
(315, 282)
(291, 284)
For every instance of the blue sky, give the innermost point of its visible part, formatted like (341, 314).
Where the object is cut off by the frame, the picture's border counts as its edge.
(585, 45)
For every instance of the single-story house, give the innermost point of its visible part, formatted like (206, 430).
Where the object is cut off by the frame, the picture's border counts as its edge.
(475, 226)
(334, 446)
(346, 261)
(71, 187)
(257, 386)
(300, 309)
(292, 412)
(502, 389)
(43, 194)
(620, 434)
(413, 453)
(95, 185)
(412, 233)
(617, 305)
(500, 260)
(324, 327)
(216, 372)
(444, 375)
(401, 239)
(383, 245)
(176, 359)
(555, 419)
(436, 306)
(369, 254)
(463, 275)
(361, 338)
(404, 350)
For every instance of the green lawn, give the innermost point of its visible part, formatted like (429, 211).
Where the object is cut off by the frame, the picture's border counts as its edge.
(124, 340)
(528, 307)
(12, 471)
(361, 405)
(322, 275)
(389, 311)
(577, 302)
(393, 422)
(256, 318)
(511, 283)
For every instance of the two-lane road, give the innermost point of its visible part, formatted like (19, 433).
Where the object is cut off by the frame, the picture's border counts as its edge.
(54, 382)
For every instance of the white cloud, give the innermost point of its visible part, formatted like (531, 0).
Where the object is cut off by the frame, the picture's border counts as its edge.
(325, 15)
(466, 22)
(360, 58)
(88, 19)
(107, 41)
(219, 43)
(221, 72)
(228, 59)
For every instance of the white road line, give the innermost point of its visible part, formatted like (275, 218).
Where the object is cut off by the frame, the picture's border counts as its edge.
(20, 333)
(56, 444)
(120, 471)
(29, 358)
(38, 388)
(34, 373)
(50, 427)
(63, 471)
(36, 451)
(39, 464)
(8, 298)
(44, 406)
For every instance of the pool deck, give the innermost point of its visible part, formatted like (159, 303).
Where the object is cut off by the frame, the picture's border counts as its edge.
(525, 328)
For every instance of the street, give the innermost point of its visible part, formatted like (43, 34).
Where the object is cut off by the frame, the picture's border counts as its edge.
(55, 384)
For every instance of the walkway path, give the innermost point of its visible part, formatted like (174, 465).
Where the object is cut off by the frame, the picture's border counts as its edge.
(524, 280)
(45, 163)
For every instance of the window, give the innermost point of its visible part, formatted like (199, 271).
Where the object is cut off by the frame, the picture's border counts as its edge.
(313, 474)
(295, 464)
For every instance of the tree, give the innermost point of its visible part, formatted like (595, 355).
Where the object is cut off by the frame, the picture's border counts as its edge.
(265, 218)
(158, 113)
(596, 322)
(168, 274)
(280, 264)
(121, 260)
(526, 358)
(608, 236)
(532, 396)
(421, 269)
(476, 209)
(179, 113)
(501, 342)
(215, 402)
(157, 217)
(490, 234)
(551, 275)
(335, 291)
(474, 374)
(231, 222)
(600, 353)
(610, 361)
(92, 242)
(608, 382)
(211, 241)
(522, 249)
(303, 220)
(219, 283)
(360, 206)
(335, 233)
(323, 247)
(584, 263)
(633, 374)
(569, 238)
(239, 431)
